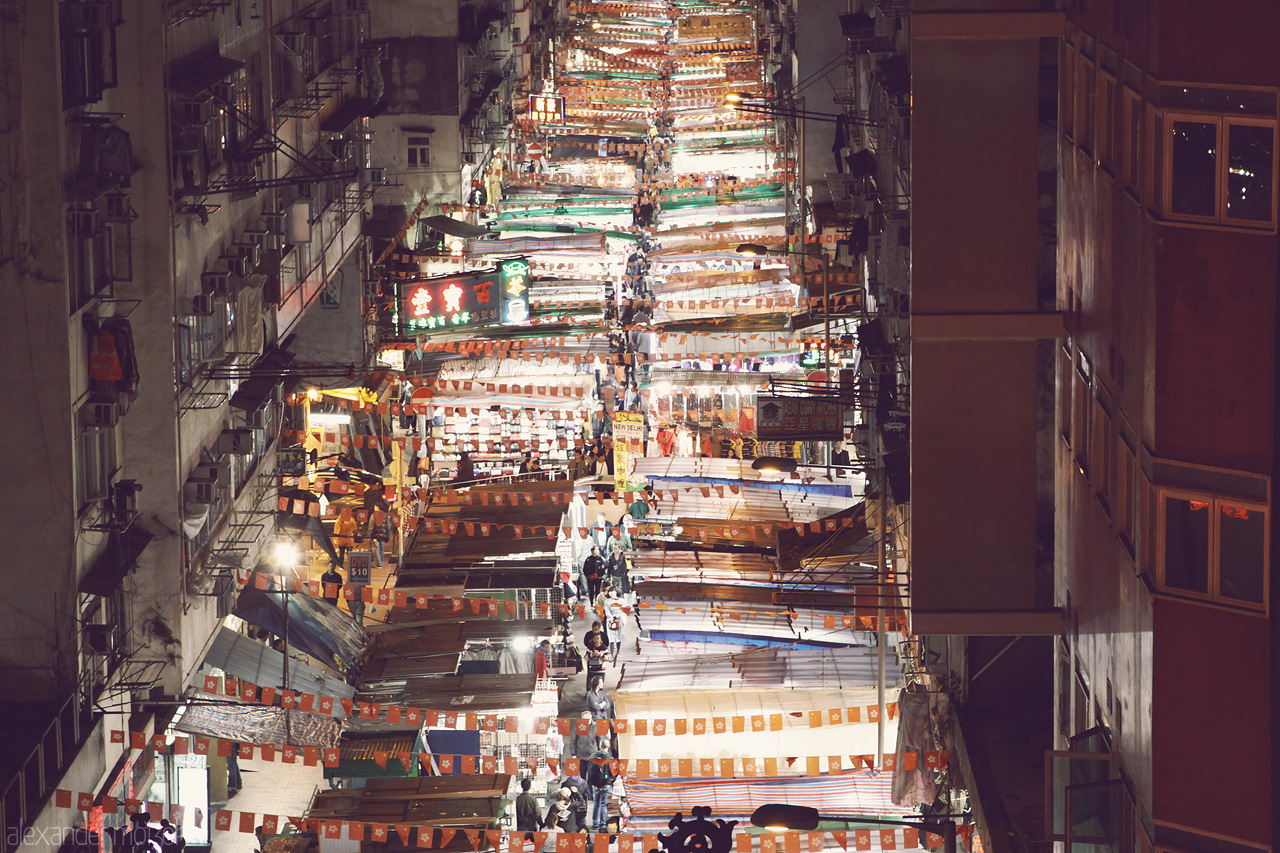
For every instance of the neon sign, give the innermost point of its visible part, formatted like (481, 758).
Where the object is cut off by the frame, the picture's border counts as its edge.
(454, 302)
(546, 108)
(459, 302)
(513, 280)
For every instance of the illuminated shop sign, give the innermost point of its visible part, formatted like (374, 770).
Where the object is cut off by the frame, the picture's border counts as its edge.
(513, 277)
(546, 108)
(457, 302)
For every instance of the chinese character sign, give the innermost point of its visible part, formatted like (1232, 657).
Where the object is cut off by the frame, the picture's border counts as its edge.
(451, 302)
(793, 418)
(546, 108)
(513, 283)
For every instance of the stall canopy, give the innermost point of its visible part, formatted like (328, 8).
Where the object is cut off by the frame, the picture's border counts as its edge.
(207, 717)
(653, 801)
(257, 663)
(796, 737)
(315, 626)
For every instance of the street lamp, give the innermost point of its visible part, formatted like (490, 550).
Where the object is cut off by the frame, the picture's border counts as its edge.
(783, 816)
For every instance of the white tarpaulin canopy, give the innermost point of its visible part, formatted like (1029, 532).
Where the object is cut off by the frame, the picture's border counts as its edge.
(796, 737)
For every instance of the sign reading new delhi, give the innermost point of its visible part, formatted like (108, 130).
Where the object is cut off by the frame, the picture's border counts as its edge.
(458, 302)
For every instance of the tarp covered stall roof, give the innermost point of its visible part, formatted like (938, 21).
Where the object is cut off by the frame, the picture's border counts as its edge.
(256, 663)
(462, 693)
(759, 668)
(456, 800)
(356, 755)
(653, 801)
(795, 738)
(315, 626)
(231, 720)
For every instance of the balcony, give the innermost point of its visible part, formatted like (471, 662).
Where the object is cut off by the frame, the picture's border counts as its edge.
(40, 743)
(87, 32)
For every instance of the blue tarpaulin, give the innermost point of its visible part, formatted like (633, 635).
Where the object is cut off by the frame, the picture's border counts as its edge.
(315, 626)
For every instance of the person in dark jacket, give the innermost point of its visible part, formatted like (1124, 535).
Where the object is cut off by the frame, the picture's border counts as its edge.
(581, 800)
(593, 570)
(528, 817)
(332, 576)
(600, 778)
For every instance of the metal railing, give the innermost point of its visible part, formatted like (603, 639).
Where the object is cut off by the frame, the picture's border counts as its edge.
(25, 792)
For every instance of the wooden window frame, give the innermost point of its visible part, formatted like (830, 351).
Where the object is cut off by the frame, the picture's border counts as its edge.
(1067, 116)
(1131, 126)
(1127, 486)
(1102, 456)
(1224, 125)
(1066, 386)
(1082, 416)
(1212, 595)
(1105, 146)
(414, 145)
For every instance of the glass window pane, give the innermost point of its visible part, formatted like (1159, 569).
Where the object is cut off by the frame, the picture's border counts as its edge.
(1093, 818)
(1186, 544)
(1194, 189)
(1067, 769)
(1241, 553)
(1249, 178)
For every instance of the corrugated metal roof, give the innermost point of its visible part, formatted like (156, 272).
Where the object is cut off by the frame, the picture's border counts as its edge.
(250, 660)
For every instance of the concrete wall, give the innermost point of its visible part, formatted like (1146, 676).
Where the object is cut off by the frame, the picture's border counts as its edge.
(401, 18)
(37, 510)
(975, 386)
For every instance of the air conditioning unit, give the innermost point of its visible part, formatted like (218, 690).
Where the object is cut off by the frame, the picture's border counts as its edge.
(117, 208)
(375, 177)
(294, 42)
(256, 420)
(238, 440)
(248, 249)
(98, 639)
(242, 171)
(197, 111)
(215, 282)
(274, 221)
(200, 490)
(237, 265)
(217, 470)
(101, 415)
(204, 304)
(259, 237)
(86, 222)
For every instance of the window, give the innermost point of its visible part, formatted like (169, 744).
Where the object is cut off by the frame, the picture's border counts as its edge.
(1131, 140)
(1213, 548)
(1106, 121)
(1103, 454)
(1068, 90)
(419, 156)
(96, 453)
(1065, 380)
(1085, 102)
(1126, 493)
(1082, 419)
(1064, 771)
(1206, 186)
